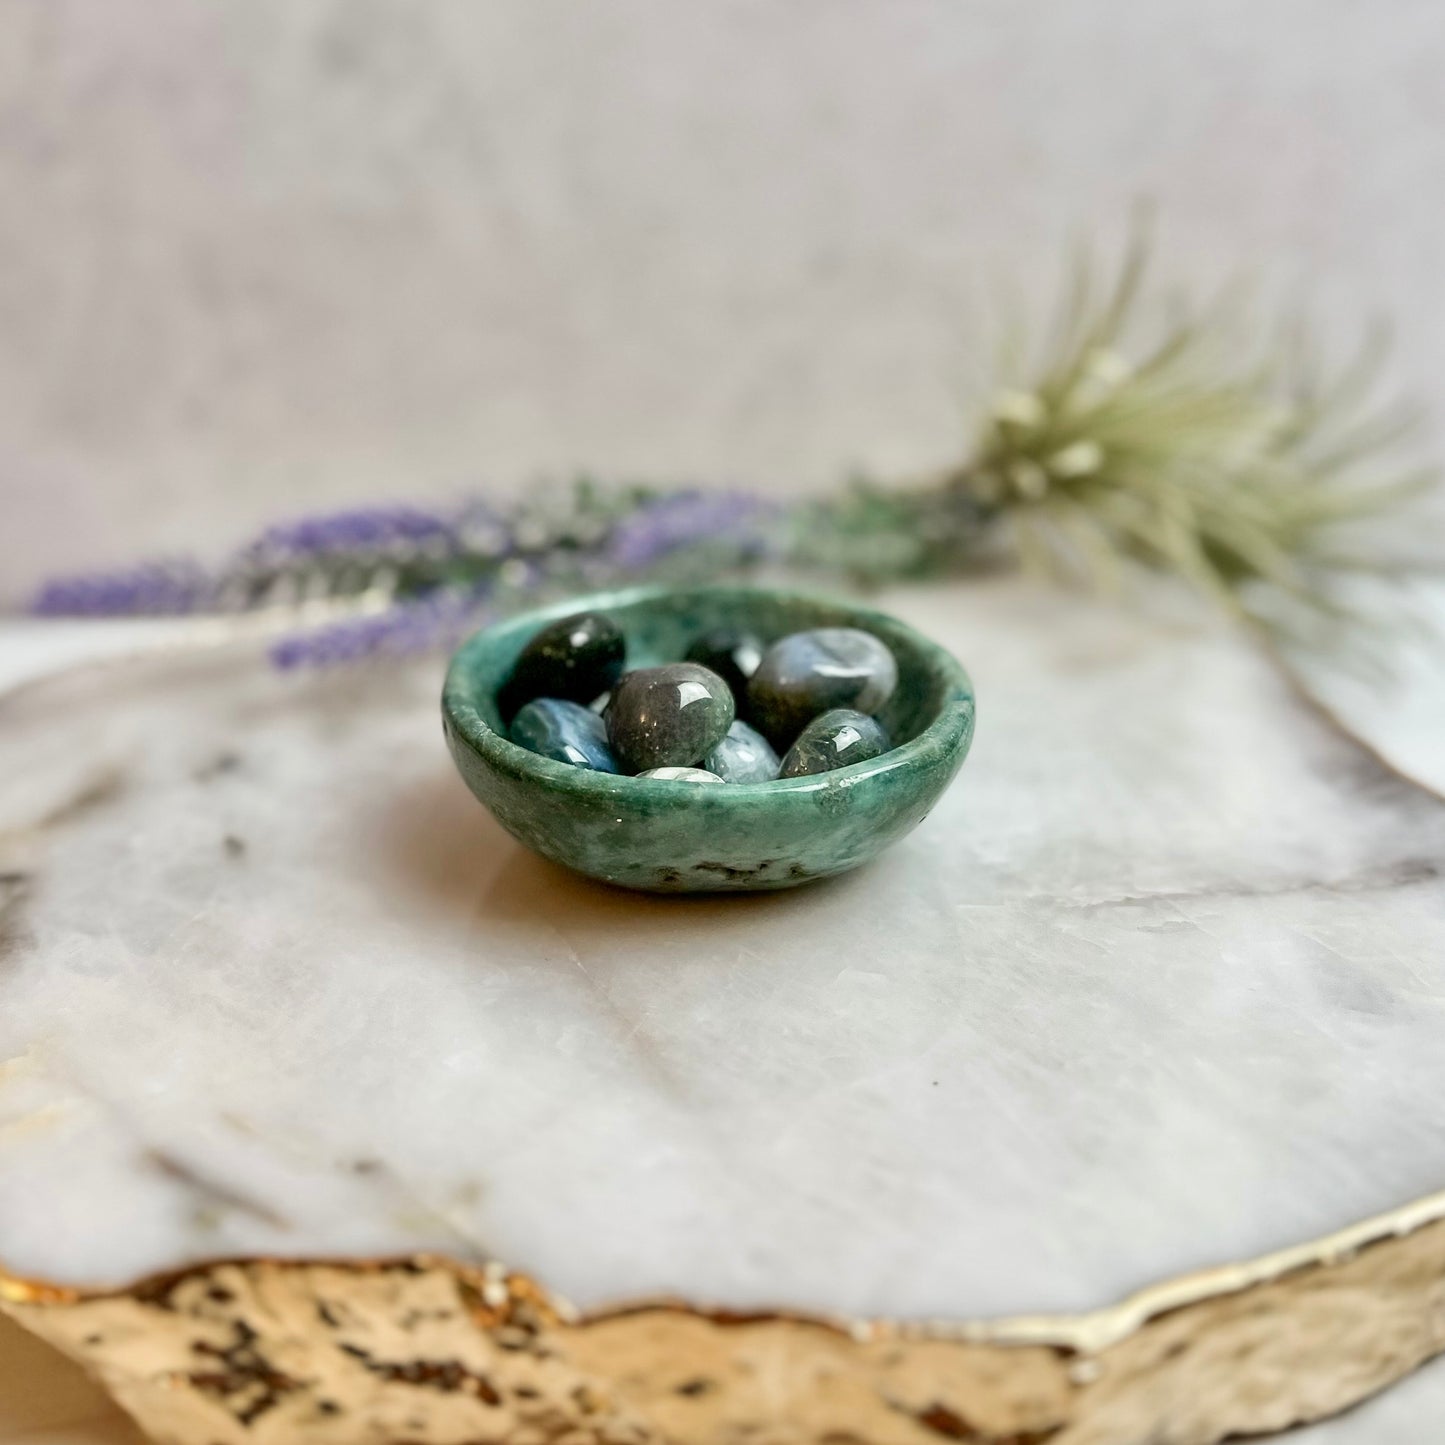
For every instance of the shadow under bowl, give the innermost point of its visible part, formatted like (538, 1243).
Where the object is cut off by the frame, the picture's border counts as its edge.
(670, 837)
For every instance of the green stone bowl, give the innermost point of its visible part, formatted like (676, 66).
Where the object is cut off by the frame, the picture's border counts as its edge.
(669, 837)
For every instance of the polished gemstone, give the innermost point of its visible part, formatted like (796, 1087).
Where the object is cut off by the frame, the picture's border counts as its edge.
(564, 731)
(838, 738)
(807, 673)
(574, 659)
(743, 756)
(670, 716)
(732, 653)
(681, 775)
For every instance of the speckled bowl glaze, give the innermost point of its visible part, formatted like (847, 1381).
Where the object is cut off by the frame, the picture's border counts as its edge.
(668, 837)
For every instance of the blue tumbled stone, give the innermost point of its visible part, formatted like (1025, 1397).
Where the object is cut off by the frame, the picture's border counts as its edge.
(564, 731)
(838, 738)
(743, 756)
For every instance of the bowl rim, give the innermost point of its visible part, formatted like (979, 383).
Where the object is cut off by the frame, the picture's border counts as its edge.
(949, 733)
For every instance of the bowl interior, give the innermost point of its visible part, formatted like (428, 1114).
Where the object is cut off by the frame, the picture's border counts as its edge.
(661, 624)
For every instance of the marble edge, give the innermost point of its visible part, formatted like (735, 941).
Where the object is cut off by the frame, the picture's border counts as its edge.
(1332, 717)
(1088, 1332)
(433, 1351)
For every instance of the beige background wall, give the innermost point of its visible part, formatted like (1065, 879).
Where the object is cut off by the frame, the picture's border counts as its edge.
(263, 257)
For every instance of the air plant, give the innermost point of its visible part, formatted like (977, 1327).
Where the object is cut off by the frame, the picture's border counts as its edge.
(1137, 431)
(1173, 436)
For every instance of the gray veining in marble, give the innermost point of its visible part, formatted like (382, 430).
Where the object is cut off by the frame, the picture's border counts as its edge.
(1160, 983)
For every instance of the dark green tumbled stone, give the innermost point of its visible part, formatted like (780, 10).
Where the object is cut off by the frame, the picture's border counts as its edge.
(838, 738)
(574, 659)
(731, 653)
(743, 756)
(807, 673)
(667, 717)
(564, 731)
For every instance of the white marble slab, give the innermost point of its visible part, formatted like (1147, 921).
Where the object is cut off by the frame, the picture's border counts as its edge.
(1160, 983)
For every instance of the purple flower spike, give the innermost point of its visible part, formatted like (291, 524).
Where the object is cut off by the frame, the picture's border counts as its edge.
(370, 529)
(154, 589)
(690, 519)
(438, 620)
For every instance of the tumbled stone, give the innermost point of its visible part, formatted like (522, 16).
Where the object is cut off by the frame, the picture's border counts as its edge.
(667, 717)
(574, 660)
(807, 673)
(731, 653)
(743, 756)
(838, 738)
(681, 775)
(565, 731)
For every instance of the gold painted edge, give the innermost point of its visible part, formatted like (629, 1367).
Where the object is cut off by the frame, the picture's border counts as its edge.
(427, 1349)
(1086, 1333)
(1096, 1330)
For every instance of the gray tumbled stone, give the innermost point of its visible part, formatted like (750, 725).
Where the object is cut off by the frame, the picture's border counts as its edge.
(807, 673)
(743, 756)
(838, 738)
(667, 717)
(564, 731)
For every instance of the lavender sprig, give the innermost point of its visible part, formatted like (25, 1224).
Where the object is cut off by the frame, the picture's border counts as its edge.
(372, 529)
(735, 522)
(153, 589)
(425, 577)
(404, 629)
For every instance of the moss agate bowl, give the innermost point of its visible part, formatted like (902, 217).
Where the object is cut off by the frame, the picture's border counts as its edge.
(670, 837)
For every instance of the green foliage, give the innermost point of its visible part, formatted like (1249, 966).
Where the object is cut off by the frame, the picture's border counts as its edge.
(874, 534)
